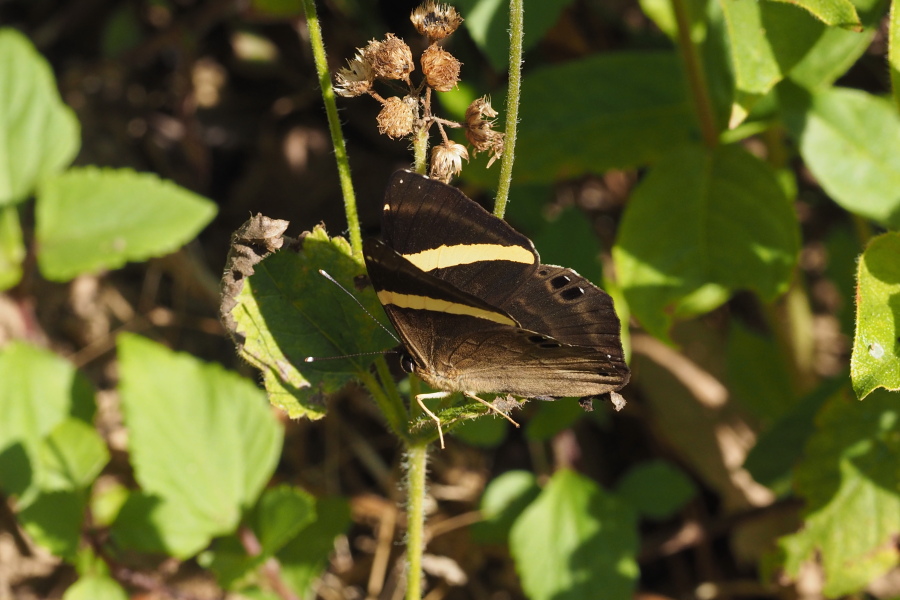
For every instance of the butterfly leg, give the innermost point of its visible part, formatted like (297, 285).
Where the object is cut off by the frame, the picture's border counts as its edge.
(490, 406)
(424, 408)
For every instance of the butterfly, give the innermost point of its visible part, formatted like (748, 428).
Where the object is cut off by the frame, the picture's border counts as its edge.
(475, 309)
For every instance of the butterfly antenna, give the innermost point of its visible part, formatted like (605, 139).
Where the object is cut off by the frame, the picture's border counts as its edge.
(318, 358)
(324, 274)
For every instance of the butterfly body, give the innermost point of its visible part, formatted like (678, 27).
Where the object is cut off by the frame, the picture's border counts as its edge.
(477, 311)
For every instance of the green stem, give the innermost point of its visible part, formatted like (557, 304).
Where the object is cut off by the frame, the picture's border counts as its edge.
(416, 472)
(334, 125)
(696, 76)
(516, 35)
(389, 402)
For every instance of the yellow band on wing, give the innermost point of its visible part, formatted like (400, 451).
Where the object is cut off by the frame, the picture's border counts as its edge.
(464, 254)
(445, 306)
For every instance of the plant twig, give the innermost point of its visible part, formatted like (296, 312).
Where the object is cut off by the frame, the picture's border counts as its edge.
(334, 125)
(516, 35)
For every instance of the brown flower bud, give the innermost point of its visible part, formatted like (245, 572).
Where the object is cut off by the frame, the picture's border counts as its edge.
(441, 68)
(356, 78)
(397, 116)
(390, 59)
(446, 161)
(436, 21)
(480, 132)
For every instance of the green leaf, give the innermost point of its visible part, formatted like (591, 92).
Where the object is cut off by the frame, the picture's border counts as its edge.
(837, 13)
(779, 448)
(304, 558)
(701, 225)
(152, 524)
(550, 418)
(656, 489)
(95, 587)
(831, 56)
(281, 513)
(575, 541)
(90, 219)
(849, 481)
(875, 361)
(766, 40)
(106, 501)
(893, 56)
(504, 499)
(608, 111)
(202, 440)
(40, 390)
(488, 23)
(72, 455)
(850, 140)
(287, 311)
(838, 49)
(54, 521)
(12, 248)
(40, 134)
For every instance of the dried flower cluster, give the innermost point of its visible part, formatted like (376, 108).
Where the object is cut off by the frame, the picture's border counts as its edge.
(390, 60)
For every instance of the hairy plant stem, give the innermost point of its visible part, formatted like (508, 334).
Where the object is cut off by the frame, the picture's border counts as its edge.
(334, 125)
(516, 35)
(420, 150)
(696, 76)
(416, 472)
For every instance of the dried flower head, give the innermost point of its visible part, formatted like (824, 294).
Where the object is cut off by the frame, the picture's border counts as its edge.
(397, 116)
(390, 59)
(441, 68)
(435, 21)
(356, 78)
(446, 161)
(479, 130)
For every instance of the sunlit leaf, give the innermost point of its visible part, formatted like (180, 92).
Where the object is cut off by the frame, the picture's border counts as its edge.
(575, 541)
(875, 361)
(90, 219)
(850, 141)
(202, 440)
(40, 135)
(849, 481)
(701, 225)
(287, 312)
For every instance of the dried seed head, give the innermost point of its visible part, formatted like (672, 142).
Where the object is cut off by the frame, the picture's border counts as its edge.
(446, 161)
(356, 78)
(397, 116)
(435, 21)
(479, 109)
(441, 68)
(390, 59)
(479, 130)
